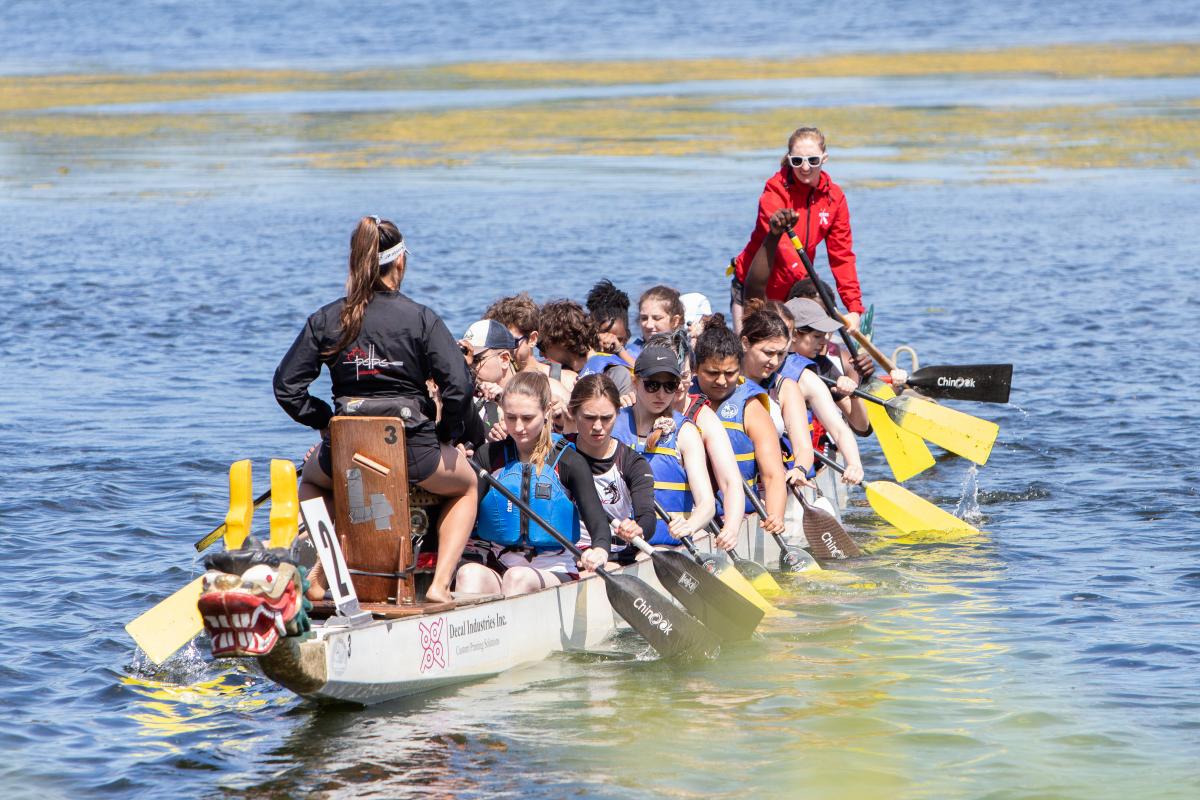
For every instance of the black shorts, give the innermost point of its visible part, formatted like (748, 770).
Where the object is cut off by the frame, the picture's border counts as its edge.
(737, 292)
(421, 448)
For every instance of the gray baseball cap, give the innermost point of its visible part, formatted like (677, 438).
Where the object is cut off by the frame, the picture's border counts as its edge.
(810, 314)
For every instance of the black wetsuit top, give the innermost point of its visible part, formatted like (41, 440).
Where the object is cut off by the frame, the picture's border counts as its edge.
(400, 345)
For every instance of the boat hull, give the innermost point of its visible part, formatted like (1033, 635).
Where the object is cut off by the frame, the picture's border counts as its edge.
(387, 659)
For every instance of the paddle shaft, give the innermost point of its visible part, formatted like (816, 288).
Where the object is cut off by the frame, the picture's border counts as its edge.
(857, 392)
(822, 290)
(786, 558)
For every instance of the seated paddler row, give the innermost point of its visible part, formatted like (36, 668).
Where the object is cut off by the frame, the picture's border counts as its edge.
(566, 408)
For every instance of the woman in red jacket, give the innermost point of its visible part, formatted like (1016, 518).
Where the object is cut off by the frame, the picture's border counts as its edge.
(803, 195)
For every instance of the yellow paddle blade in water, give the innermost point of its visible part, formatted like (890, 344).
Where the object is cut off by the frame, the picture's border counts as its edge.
(908, 512)
(169, 625)
(732, 578)
(905, 452)
(241, 504)
(968, 436)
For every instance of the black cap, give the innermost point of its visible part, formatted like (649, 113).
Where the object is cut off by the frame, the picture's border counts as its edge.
(655, 360)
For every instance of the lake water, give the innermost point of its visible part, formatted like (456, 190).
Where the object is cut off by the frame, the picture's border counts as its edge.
(162, 248)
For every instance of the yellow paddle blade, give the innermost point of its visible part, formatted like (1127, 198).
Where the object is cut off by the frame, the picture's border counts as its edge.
(169, 625)
(908, 512)
(766, 584)
(732, 578)
(241, 504)
(285, 503)
(905, 452)
(968, 436)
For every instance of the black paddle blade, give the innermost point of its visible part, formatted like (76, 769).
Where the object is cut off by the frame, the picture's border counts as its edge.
(667, 627)
(986, 383)
(827, 539)
(792, 559)
(710, 600)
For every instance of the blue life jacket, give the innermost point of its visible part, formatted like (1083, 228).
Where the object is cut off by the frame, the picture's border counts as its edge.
(795, 364)
(500, 522)
(634, 346)
(670, 478)
(600, 362)
(732, 413)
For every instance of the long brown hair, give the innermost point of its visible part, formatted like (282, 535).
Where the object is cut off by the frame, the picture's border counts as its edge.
(370, 238)
(592, 387)
(537, 386)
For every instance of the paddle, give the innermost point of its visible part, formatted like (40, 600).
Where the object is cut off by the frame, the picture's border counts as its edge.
(759, 576)
(668, 629)
(905, 452)
(826, 537)
(952, 430)
(987, 383)
(712, 602)
(731, 577)
(174, 622)
(902, 509)
(791, 559)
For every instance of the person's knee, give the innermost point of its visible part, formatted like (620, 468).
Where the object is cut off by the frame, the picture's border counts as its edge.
(519, 580)
(475, 579)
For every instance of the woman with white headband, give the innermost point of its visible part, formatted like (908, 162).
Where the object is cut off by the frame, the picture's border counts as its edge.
(380, 347)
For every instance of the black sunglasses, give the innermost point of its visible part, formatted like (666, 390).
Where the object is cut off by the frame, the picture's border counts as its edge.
(652, 387)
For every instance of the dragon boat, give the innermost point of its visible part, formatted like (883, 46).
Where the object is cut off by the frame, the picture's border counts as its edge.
(375, 641)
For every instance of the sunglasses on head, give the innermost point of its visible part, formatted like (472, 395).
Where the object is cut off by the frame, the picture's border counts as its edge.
(671, 386)
(812, 161)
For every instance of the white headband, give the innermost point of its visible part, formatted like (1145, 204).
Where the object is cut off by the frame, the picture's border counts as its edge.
(391, 254)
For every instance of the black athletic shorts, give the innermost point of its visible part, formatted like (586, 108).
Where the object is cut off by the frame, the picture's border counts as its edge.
(421, 447)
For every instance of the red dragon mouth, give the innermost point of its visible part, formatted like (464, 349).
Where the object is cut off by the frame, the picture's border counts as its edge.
(243, 624)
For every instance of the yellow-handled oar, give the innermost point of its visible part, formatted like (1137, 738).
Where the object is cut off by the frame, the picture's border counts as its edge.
(955, 431)
(905, 452)
(732, 578)
(963, 434)
(904, 510)
(162, 630)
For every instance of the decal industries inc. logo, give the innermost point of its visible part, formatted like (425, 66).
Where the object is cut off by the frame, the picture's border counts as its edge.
(688, 583)
(433, 646)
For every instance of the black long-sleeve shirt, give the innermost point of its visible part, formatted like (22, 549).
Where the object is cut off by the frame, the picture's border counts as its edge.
(635, 471)
(400, 345)
(576, 477)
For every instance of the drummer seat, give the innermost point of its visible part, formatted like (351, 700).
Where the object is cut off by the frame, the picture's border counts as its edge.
(379, 515)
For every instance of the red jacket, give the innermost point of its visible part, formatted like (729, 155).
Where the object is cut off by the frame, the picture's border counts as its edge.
(823, 215)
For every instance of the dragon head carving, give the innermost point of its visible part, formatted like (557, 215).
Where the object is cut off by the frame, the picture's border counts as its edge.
(251, 598)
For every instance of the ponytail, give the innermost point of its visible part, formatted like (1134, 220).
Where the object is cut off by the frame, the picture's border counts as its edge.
(371, 237)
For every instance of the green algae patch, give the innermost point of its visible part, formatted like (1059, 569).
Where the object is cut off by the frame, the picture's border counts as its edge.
(1061, 61)
(998, 144)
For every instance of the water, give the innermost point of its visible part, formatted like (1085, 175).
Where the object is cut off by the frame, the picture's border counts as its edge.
(147, 305)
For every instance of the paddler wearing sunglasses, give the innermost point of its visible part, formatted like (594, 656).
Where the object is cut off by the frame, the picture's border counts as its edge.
(670, 443)
(817, 210)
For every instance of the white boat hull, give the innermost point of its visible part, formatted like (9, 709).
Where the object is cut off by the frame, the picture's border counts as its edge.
(387, 659)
